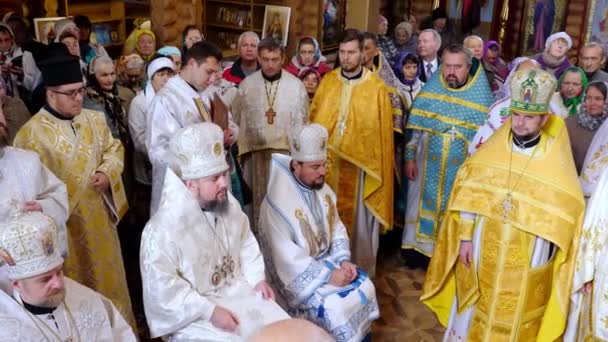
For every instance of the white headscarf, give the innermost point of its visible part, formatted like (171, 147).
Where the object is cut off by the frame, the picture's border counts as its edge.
(154, 66)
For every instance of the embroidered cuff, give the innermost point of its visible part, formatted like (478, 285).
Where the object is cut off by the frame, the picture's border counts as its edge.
(340, 259)
(466, 229)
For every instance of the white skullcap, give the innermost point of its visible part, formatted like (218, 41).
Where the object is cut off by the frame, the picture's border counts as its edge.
(159, 63)
(562, 35)
(28, 244)
(310, 144)
(198, 151)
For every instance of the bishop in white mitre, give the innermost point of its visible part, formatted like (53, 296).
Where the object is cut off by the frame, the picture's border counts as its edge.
(306, 244)
(42, 304)
(181, 102)
(202, 270)
(269, 104)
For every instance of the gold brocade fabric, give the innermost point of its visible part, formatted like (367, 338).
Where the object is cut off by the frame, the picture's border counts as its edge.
(359, 119)
(74, 150)
(513, 301)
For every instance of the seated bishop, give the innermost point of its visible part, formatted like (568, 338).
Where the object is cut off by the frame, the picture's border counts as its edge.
(202, 271)
(307, 247)
(43, 304)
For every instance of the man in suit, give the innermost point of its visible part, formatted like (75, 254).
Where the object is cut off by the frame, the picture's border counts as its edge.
(429, 42)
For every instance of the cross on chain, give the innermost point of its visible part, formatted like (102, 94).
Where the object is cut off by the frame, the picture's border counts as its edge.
(270, 114)
(507, 206)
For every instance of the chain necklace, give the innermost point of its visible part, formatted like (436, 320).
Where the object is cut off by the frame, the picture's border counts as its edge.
(271, 97)
(226, 268)
(507, 202)
(69, 320)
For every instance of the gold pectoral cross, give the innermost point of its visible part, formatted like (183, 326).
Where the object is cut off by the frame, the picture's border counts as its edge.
(507, 206)
(270, 114)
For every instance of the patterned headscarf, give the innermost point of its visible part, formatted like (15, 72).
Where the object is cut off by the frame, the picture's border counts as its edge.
(572, 104)
(586, 120)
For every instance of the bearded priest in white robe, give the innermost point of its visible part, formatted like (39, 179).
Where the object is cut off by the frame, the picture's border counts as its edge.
(307, 247)
(42, 304)
(174, 107)
(203, 274)
(269, 103)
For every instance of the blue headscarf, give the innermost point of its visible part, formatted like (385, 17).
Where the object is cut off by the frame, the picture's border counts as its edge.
(169, 50)
(398, 69)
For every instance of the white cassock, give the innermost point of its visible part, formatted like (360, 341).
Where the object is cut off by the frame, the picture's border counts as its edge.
(172, 108)
(84, 315)
(304, 240)
(24, 178)
(192, 261)
(589, 312)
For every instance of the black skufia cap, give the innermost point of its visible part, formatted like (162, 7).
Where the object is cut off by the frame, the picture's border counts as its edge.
(60, 67)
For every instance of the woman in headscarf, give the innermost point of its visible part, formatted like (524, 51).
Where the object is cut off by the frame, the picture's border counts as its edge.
(555, 57)
(494, 65)
(130, 72)
(311, 79)
(145, 44)
(582, 127)
(172, 53)
(407, 71)
(385, 43)
(308, 55)
(405, 40)
(570, 91)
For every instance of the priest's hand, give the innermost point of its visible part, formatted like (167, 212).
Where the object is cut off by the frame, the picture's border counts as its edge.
(228, 137)
(265, 289)
(100, 182)
(339, 278)
(224, 319)
(31, 206)
(411, 171)
(351, 270)
(466, 252)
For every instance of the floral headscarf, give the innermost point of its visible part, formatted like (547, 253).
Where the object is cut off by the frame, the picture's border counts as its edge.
(586, 120)
(572, 104)
(318, 57)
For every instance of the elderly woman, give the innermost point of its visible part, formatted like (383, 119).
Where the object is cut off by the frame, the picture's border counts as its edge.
(145, 44)
(385, 43)
(172, 53)
(130, 72)
(311, 79)
(190, 36)
(405, 40)
(494, 65)
(308, 55)
(555, 57)
(591, 115)
(570, 91)
(159, 70)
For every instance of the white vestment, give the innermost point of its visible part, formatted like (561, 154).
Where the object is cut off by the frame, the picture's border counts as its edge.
(172, 108)
(193, 260)
(588, 312)
(84, 315)
(596, 160)
(498, 114)
(303, 240)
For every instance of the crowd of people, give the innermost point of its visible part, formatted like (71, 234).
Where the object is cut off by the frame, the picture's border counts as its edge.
(159, 195)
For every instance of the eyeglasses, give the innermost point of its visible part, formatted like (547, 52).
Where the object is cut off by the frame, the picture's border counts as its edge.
(72, 94)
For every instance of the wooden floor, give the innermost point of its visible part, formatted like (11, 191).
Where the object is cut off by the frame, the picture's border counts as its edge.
(402, 316)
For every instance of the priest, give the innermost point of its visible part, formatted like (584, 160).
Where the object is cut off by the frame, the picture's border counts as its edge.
(353, 105)
(306, 244)
(181, 102)
(77, 146)
(502, 268)
(202, 271)
(43, 304)
(268, 104)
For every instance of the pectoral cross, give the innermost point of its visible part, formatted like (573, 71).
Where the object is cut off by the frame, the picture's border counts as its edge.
(270, 114)
(507, 206)
(453, 132)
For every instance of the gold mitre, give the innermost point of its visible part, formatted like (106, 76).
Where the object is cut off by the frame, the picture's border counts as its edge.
(531, 91)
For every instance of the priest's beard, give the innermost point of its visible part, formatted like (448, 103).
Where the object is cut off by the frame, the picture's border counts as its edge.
(54, 300)
(217, 205)
(317, 184)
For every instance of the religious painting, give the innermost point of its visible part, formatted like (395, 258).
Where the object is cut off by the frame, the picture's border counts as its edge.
(598, 22)
(45, 29)
(333, 12)
(542, 18)
(276, 23)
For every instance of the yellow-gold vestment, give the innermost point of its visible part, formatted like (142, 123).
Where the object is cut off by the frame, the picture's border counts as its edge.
(511, 300)
(74, 150)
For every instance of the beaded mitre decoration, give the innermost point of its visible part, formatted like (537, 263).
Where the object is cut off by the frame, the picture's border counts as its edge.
(531, 91)
(198, 151)
(309, 144)
(28, 244)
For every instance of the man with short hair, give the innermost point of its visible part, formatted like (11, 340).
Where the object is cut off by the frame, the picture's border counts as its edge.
(306, 245)
(77, 146)
(247, 62)
(269, 104)
(43, 304)
(444, 118)
(352, 103)
(592, 58)
(202, 271)
(429, 42)
(181, 102)
(506, 251)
